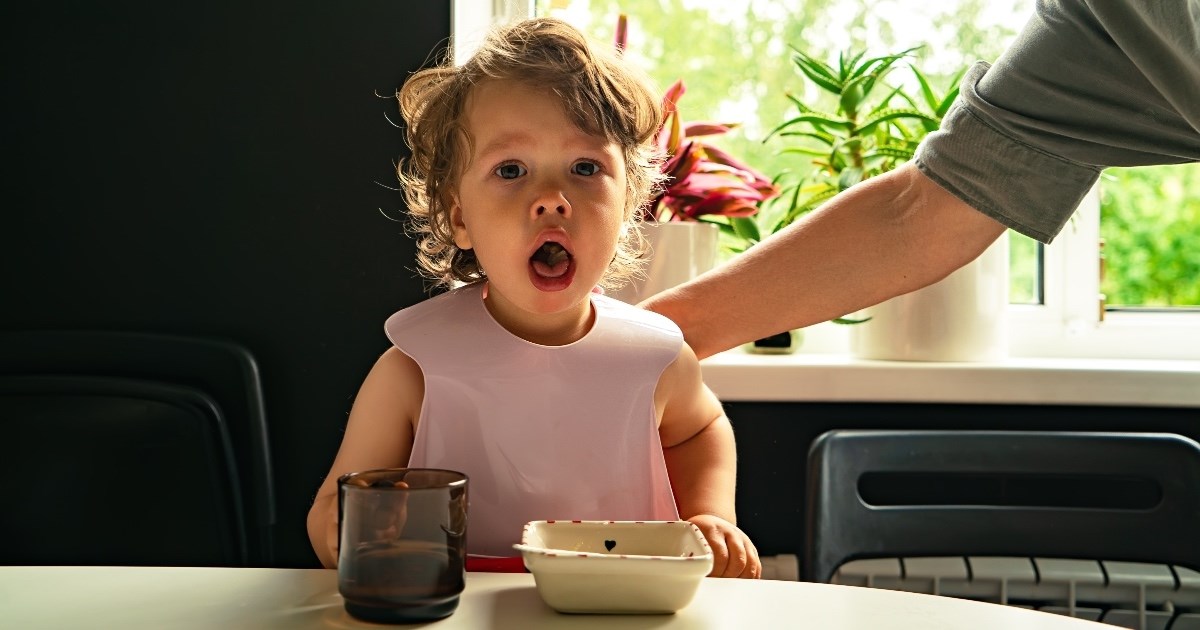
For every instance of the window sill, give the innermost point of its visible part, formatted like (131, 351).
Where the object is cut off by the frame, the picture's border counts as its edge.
(739, 376)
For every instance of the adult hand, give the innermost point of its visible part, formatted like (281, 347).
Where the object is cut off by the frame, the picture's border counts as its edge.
(733, 553)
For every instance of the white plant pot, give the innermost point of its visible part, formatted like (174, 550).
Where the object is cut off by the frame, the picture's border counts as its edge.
(963, 317)
(676, 251)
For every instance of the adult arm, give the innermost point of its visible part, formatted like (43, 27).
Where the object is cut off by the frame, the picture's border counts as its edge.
(379, 434)
(1086, 85)
(889, 235)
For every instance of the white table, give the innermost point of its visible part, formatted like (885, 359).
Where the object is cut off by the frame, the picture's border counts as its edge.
(132, 598)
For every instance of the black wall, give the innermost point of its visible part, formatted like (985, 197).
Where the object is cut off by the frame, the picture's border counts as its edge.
(773, 440)
(211, 168)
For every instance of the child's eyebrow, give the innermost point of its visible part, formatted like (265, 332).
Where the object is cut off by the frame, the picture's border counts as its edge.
(515, 139)
(505, 142)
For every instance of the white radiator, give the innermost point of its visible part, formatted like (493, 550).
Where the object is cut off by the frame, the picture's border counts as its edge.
(782, 567)
(1124, 594)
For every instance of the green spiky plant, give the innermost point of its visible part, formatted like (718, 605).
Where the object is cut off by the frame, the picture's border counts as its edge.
(874, 128)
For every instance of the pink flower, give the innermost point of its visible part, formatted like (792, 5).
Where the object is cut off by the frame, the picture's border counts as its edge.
(703, 180)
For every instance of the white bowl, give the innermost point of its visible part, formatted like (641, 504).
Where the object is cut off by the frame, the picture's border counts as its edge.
(615, 566)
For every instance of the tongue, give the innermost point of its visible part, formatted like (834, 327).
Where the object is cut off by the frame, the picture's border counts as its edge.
(551, 260)
(551, 271)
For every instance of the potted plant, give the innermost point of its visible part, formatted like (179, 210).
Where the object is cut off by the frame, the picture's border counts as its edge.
(874, 127)
(703, 181)
(867, 134)
(704, 186)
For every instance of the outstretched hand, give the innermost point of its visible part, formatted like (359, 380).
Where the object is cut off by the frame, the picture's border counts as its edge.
(733, 553)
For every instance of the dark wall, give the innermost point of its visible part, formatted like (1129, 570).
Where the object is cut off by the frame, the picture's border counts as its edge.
(211, 168)
(773, 441)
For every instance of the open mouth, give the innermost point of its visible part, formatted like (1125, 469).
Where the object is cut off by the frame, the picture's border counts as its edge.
(551, 260)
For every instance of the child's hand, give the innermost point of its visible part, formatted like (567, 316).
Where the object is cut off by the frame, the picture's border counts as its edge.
(733, 553)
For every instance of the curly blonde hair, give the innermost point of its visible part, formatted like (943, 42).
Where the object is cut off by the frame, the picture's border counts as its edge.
(600, 94)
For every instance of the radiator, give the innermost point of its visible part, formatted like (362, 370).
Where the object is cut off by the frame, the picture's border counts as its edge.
(1123, 594)
(781, 567)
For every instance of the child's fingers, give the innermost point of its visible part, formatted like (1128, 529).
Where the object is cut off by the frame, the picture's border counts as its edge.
(741, 556)
(753, 569)
(734, 555)
(716, 540)
(738, 557)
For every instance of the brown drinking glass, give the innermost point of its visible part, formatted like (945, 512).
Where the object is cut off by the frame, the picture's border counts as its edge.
(402, 543)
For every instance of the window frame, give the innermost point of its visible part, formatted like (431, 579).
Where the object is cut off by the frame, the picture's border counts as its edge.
(470, 20)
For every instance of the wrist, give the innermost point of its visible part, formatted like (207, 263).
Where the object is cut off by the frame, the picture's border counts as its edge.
(703, 515)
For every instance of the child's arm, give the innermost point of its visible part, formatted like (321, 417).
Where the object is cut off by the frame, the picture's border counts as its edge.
(702, 463)
(379, 434)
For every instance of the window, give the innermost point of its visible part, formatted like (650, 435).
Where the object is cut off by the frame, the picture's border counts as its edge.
(734, 58)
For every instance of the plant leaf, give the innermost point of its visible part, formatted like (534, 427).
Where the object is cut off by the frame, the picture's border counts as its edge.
(811, 202)
(798, 103)
(745, 228)
(886, 101)
(853, 93)
(820, 136)
(813, 119)
(849, 176)
(930, 98)
(850, 67)
(803, 151)
(817, 72)
(895, 114)
(619, 38)
(704, 128)
(672, 96)
(891, 152)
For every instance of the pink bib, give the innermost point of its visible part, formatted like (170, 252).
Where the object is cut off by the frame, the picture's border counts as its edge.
(543, 432)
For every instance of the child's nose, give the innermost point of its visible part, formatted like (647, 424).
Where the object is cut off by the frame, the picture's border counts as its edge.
(550, 200)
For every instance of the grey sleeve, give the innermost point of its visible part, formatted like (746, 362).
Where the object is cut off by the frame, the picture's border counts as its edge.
(1082, 88)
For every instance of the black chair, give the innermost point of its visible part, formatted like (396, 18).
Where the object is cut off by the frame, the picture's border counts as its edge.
(117, 471)
(133, 448)
(1132, 497)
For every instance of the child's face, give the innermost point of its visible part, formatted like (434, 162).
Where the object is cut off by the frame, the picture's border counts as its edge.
(535, 178)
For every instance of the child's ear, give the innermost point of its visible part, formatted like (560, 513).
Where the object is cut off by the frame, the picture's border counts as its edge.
(462, 238)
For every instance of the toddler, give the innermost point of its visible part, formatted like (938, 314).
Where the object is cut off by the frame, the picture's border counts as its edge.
(528, 163)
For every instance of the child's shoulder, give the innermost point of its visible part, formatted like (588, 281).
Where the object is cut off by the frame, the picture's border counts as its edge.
(432, 321)
(635, 315)
(456, 298)
(638, 327)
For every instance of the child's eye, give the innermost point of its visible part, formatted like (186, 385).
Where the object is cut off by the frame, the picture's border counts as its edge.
(510, 171)
(586, 169)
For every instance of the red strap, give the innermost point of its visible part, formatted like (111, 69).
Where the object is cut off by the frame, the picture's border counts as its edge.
(515, 564)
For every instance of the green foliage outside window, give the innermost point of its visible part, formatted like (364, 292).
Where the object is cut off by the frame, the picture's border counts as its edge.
(736, 59)
(1150, 221)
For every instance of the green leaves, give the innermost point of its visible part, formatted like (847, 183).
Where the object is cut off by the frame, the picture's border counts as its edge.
(888, 115)
(876, 127)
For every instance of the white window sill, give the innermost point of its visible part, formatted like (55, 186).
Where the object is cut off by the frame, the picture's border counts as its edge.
(739, 376)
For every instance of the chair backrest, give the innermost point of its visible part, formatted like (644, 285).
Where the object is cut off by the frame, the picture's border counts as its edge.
(1112, 496)
(90, 383)
(102, 470)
